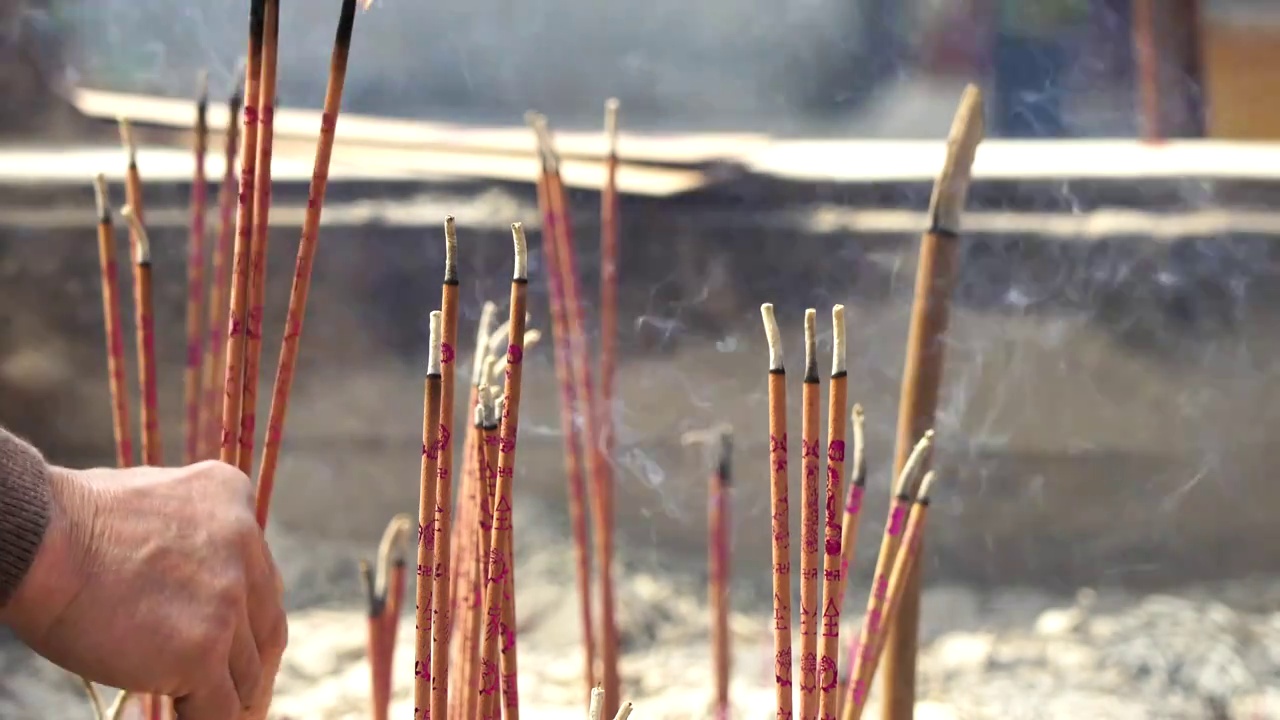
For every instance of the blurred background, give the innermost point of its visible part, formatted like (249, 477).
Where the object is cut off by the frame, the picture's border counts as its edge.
(1106, 420)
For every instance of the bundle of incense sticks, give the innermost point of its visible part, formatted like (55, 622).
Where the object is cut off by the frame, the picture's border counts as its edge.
(582, 411)
(236, 301)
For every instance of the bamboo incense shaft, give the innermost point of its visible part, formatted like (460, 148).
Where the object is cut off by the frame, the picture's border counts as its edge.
(922, 371)
(853, 503)
(810, 521)
(907, 557)
(501, 574)
(219, 292)
(837, 401)
(152, 451)
(111, 323)
(465, 565)
(563, 362)
(385, 593)
(297, 311)
(260, 235)
(484, 673)
(233, 366)
(719, 522)
(609, 258)
(426, 520)
(443, 616)
(873, 620)
(195, 281)
(599, 469)
(781, 523)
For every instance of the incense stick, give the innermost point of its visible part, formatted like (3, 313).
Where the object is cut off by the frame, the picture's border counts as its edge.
(426, 521)
(853, 502)
(904, 565)
(810, 521)
(922, 368)
(152, 451)
(718, 540)
(297, 311)
(219, 290)
(444, 486)
(563, 360)
(467, 652)
(195, 279)
(111, 323)
(233, 366)
(133, 179)
(873, 621)
(144, 327)
(837, 400)
(500, 610)
(261, 234)
(781, 523)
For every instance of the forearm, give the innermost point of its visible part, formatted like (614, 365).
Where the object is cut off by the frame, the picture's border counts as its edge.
(25, 506)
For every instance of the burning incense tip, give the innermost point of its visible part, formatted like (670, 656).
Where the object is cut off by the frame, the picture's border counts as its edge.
(624, 712)
(926, 486)
(611, 107)
(839, 349)
(126, 139)
(450, 251)
(101, 197)
(859, 446)
(433, 352)
(488, 405)
(773, 337)
(144, 243)
(546, 146)
(724, 464)
(483, 330)
(596, 709)
(904, 484)
(952, 186)
(392, 548)
(811, 345)
(522, 253)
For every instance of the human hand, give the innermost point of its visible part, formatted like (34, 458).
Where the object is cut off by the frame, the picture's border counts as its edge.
(158, 580)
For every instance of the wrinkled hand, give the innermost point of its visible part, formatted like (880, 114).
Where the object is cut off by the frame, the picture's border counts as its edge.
(158, 580)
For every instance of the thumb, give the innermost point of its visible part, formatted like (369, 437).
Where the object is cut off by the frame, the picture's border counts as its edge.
(216, 700)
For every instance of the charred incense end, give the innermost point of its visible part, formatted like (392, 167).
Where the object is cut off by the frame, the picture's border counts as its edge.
(773, 337)
(522, 253)
(372, 601)
(102, 198)
(859, 476)
(951, 188)
(126, 139)
(915, 460)
(595, 711)
(346, 24)
(624, 712)
(479, 413)
(143, 242)
(611, 107)
(725, 465)
(450, 251)
(483, 330)
(433, 352)
(839, 348)
(926, 486)
(811, 346)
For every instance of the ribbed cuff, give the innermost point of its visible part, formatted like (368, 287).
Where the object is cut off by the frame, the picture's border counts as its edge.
(24, 510)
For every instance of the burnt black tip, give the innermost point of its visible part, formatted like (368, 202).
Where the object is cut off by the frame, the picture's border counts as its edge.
(923, 502)
(777, 371)
(943, 232)
(491, 427)
(520, 281)
(724, 468)
(903, 497)
(811, 377)
(346, 23)
(451, 278)
(838, 375)
(257, 21)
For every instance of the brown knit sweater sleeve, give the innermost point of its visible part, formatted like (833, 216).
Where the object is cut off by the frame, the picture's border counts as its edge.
(24, 510)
